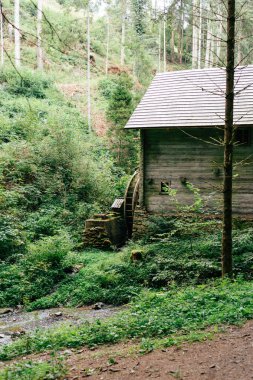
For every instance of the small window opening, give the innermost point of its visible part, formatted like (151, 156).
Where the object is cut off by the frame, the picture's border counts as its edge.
(243, 136)
(165, 186)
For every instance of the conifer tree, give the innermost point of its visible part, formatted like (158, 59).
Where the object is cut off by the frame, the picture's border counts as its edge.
(119, 110)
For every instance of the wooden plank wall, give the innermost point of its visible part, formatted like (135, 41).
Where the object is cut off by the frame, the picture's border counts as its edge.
(171, 155)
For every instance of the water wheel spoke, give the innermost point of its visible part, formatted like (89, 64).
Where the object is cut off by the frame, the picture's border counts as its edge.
(131, 200)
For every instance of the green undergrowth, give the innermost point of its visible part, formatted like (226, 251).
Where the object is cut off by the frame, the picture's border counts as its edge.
(53, 369)
(52, 274)
(179, 311)
(53, 173)
(184, 258)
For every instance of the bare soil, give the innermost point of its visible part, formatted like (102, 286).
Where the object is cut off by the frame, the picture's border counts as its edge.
(76, 92)
(228, 357)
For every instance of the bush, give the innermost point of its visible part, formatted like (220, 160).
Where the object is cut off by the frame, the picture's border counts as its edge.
(44, 222)
(44, 265)
(35, 274)
(50, 250)
(59, 177)
(27, 83)
(107, 86)
(104, 281)
(12, 239)
(12, 289)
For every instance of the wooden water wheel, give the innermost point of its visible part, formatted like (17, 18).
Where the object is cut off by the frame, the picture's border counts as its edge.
(131, 200)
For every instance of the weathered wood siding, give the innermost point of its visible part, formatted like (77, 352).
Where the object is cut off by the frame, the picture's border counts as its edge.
(174, 155)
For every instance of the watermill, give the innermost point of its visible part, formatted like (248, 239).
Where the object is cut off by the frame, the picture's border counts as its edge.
(113, 228)
(131, 200)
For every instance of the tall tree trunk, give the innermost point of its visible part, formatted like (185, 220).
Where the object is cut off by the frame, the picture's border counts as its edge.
(194, 34)
(10, 31)
(181, 32)
(164, 41)
(219, 35)
(172, 44)
(88, 69)
(159, 46)
(208, 45)
(200, 34)
(228, 143)
(208, 35)
(239, 45)
(1, 34)
(188, 45)
(17, 33)
(107, 44)
(39, 31)
(211, 57)
(123, 33)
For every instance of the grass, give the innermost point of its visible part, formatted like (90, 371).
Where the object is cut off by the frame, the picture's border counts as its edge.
(53, 369)
(177, 312)
(148, 345)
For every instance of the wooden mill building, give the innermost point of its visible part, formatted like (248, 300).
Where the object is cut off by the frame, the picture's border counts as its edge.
(181, 122)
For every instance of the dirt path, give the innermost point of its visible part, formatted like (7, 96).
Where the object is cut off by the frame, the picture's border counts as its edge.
(228, 357)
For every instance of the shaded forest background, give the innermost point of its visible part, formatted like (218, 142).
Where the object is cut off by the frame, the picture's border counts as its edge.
(53, 173)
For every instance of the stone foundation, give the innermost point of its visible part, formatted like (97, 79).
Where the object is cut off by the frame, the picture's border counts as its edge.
(140, 223)
(105, 231)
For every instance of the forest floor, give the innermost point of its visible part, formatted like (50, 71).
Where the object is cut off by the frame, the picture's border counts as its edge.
(227, 356)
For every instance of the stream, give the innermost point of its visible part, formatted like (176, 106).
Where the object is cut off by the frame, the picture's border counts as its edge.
(15, 323)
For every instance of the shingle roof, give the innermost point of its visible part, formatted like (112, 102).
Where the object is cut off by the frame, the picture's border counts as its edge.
(194, 98)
